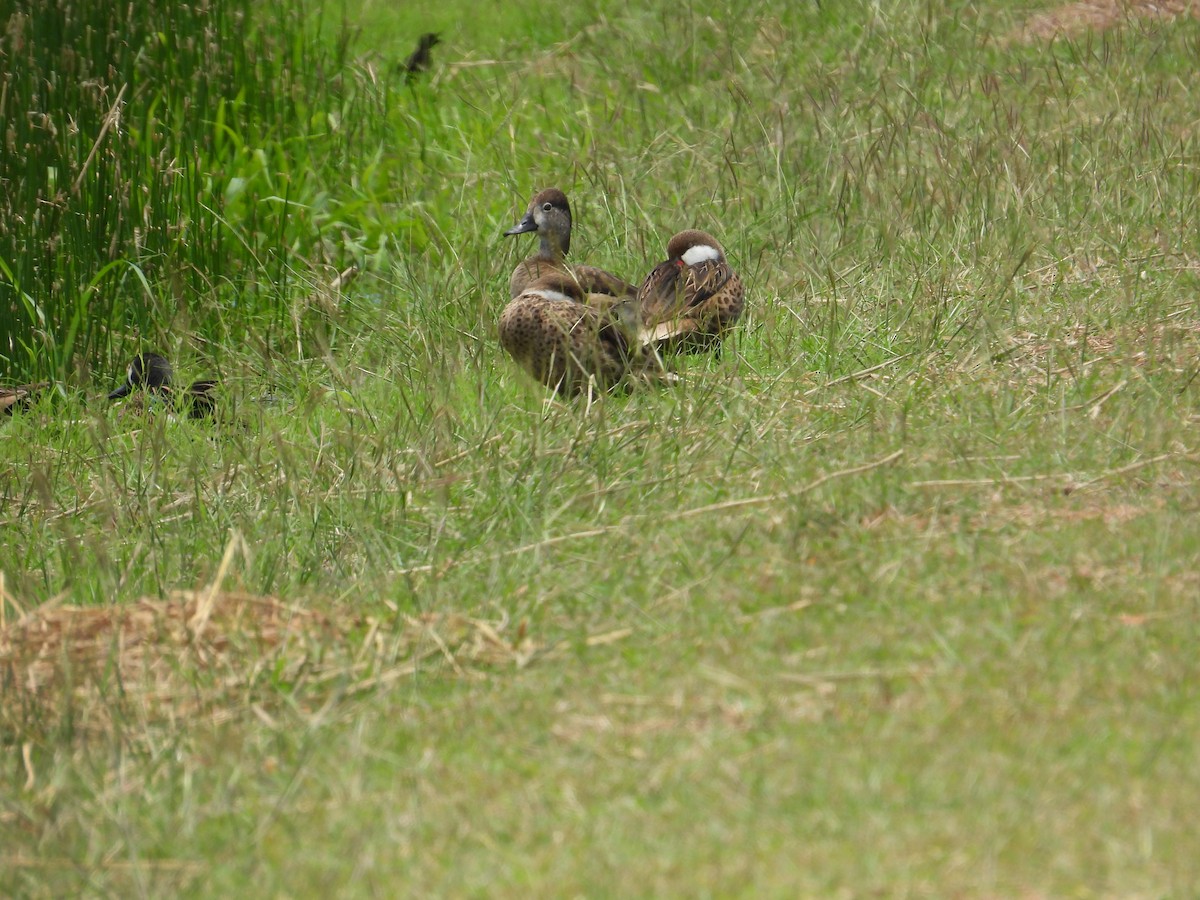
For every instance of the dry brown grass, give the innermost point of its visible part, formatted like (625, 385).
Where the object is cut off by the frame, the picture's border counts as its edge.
(1172, 344)
(205, 654)
(196, 653)
(1098, 15)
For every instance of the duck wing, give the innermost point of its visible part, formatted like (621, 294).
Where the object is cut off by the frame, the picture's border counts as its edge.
(660, 295)
(673, 287)
(704, 279)
(594, 280)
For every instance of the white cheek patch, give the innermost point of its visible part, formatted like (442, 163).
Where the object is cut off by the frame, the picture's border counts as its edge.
(700, 253)
(547, 294)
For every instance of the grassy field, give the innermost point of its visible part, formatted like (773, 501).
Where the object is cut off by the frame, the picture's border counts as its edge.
(897, 597)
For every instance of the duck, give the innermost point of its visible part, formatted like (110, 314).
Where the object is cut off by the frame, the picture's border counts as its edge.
(549, 214)
(552, 333)
(690, 301)
(152, 373)
(19, 397)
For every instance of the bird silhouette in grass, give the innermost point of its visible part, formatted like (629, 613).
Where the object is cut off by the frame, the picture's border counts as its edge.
(419, 60)
(151, 374)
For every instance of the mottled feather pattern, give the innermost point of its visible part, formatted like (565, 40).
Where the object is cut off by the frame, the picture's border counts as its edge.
(561, 341)
(672, 287)
(690, 307)
(572, 327)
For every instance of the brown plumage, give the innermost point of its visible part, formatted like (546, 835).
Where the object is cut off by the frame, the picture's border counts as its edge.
(419, 60)
(549, 214)
(20, 396)
(551, 332)
(690, 301)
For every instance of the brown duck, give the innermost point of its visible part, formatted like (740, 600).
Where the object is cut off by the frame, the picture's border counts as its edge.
(690, 301)
(567, 345)
(19, 397)
(549, 214)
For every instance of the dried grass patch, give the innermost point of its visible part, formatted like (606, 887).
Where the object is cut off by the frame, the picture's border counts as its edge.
(195, 653)
(1038, 501)
(1001, 514)
(1098, 15)
(1170, 345)
(216, 655)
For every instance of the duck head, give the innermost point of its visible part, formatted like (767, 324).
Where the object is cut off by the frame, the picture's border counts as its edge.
(150, 371)
(549, 214)
(694, 246)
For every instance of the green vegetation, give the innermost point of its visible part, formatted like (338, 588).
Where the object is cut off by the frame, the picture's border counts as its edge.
(151, 172)
(897, 596)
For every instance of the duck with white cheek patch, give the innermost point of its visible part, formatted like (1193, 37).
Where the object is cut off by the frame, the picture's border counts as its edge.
(690, 302)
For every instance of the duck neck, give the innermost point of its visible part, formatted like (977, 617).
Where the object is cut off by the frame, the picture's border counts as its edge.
(553, 246)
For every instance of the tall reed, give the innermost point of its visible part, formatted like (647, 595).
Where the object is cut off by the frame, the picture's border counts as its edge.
(141, 177)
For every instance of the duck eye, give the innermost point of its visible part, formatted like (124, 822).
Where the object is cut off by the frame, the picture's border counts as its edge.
(547, 206)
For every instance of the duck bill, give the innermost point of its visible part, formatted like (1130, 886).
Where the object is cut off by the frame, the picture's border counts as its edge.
(524, 226)
(122, 391)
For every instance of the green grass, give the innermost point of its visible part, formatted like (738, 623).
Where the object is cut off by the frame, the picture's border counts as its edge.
(898, 597)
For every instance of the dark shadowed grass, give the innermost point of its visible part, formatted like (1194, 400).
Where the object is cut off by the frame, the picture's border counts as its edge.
(897, 596)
